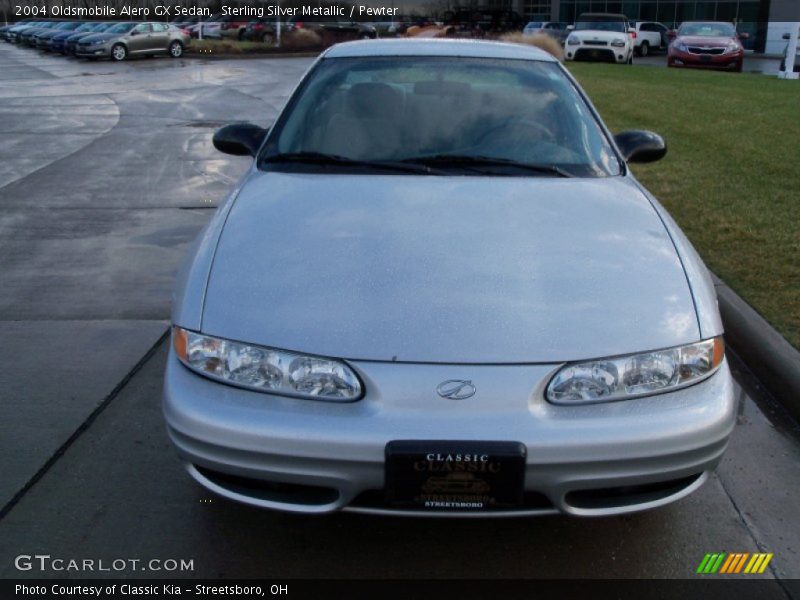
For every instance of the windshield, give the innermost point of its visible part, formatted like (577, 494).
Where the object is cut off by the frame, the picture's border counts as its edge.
(402, 109)
(707, 29)
(600, 26)
(121, 28)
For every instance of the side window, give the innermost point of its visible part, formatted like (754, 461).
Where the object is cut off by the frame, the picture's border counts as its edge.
(142, 28)
(159, 27)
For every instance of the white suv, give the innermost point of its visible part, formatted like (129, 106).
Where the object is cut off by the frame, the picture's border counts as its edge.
(602, 37)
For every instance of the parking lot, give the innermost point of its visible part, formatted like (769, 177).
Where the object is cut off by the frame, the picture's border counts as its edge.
(106, 175)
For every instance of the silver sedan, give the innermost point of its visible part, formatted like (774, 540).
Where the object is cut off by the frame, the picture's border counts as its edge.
(439, 290)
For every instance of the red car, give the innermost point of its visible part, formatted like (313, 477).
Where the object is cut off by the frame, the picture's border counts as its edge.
(707, 44)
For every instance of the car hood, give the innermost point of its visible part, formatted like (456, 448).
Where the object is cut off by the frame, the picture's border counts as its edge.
(447, 269)
(598, 34)
(100, 37)
(81, 35)
(697, 40)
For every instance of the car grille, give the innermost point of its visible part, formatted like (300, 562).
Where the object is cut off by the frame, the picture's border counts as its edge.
(595, 43)
(603, 55)
(699, 50)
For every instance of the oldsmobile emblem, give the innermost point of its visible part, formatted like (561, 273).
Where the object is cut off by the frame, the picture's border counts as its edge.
(455, 389)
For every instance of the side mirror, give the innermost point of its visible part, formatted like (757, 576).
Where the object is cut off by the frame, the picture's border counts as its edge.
(744, 35)
(641, 146)
(240, 139)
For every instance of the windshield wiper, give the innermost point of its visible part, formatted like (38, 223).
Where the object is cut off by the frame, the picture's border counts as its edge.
(321, 158)
(469, 161)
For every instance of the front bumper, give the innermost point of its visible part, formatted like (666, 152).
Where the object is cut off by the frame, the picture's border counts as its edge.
(677, 58)
(584, 52)
(93, 51)
(316, 457)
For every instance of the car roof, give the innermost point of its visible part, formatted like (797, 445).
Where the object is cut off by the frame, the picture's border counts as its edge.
(709, 21)
(437, 47)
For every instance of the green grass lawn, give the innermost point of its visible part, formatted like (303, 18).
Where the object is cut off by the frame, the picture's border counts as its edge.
(731, 178)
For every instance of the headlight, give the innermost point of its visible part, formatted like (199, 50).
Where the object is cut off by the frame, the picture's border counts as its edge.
(731, 48)
(573, 41)
(620, 378)
(619, 42)
(682, 47)
(266, 369)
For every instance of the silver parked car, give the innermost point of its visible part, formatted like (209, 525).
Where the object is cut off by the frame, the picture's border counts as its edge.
(439, 290)
(130, 39)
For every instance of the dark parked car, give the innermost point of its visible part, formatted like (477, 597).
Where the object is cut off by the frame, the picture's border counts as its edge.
(42, 39)
(707, 45)
(27, 37)
(260, 30)
(6, 28)
(14, 33)
(555, 29)
(478, 23)
(58, 39)
(71, 43)
(333, 29)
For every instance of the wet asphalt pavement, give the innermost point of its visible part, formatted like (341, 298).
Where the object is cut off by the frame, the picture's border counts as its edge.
(106, 174)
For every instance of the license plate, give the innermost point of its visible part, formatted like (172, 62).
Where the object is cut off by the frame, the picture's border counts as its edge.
(455, 475)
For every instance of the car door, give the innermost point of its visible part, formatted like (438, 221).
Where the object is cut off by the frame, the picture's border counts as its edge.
(139, 39)
(160, 37)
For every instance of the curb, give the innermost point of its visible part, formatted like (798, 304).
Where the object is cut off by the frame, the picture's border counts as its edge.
(773, 360)
(248, 55)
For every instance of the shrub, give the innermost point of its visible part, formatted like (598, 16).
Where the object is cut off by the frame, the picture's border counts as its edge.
(301, 38)
(545, 42)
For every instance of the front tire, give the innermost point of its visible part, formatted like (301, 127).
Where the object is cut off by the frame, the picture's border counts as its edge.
(119, 52)
(644, 49)
(268, 38)
(176, 49)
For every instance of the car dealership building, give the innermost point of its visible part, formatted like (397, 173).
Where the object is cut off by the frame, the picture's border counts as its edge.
(764, 20)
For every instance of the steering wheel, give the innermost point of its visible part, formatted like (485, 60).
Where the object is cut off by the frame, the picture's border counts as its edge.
(542, 132)
(515, 136)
